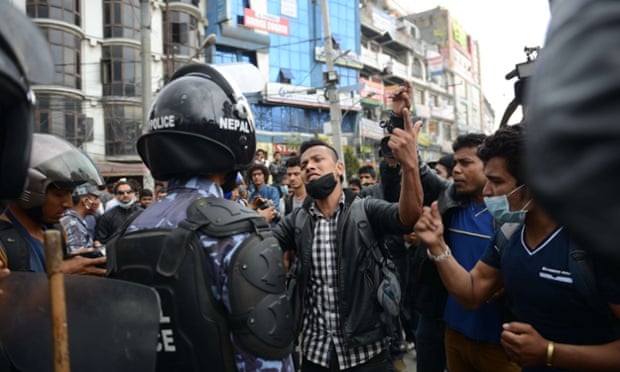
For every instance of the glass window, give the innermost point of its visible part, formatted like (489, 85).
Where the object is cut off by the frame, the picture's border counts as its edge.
(65, 48)
(290, 119)
(66, 11)
(120, 71)
(191, 2)
(181, 36)
(295, 51)
(62, 116)
(122, 128)
(121, 18)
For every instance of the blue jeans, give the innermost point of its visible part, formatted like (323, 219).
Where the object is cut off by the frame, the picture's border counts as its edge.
(430, 346)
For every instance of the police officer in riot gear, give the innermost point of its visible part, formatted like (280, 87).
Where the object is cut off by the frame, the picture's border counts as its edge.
(201, 133)
(24, 58)
(56, 168)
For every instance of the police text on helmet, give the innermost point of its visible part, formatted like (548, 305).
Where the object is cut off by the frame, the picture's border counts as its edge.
(162, 122)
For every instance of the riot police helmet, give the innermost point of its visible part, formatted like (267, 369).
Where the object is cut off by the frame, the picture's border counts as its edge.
(54, 161)
(199, 124)
(25, 59)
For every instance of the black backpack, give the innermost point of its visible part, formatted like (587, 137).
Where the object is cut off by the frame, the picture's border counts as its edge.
(15, 247)
(195, 326)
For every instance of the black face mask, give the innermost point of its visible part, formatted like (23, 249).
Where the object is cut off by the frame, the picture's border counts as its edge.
(321, 188)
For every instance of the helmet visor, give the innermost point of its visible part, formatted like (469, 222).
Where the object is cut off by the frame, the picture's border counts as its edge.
(70, 169)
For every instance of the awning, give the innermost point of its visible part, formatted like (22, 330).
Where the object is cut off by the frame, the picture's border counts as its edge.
(109, 168)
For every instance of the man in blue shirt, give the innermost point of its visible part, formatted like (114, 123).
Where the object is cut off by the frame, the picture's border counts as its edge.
(555, 327)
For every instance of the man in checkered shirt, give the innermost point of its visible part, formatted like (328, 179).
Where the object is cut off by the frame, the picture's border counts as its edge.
(333, 291)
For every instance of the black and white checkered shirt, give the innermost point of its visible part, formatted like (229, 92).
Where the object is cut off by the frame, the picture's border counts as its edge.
(322, 323)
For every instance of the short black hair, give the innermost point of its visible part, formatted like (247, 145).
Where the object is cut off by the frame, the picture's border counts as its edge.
(120, 183)
(293, 161)
(468, 140)
(145, 192)
(507, 143)
(315, 142)
(367, 169)
(355, 181)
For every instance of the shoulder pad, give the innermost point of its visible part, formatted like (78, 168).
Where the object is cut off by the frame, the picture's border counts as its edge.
(221, 217)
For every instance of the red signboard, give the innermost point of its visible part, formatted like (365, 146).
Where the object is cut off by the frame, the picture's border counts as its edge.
(265, 22)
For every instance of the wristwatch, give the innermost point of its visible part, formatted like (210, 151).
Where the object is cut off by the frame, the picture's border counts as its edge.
(442, 257)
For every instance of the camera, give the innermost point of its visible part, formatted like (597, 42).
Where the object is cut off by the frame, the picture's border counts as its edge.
(396, 122)
(267, 204)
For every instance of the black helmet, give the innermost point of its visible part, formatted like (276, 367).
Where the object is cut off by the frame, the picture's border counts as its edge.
(199, 124)
(24, 58)
(56, 161)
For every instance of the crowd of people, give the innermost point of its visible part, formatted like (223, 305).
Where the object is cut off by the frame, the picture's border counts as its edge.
(281, 265)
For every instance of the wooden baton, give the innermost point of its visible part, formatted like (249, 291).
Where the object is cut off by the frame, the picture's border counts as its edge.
(60, 340)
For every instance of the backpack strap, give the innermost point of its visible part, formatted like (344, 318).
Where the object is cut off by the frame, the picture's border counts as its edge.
(581, 268)
(504, 234)
(15, 247)
(388, 291)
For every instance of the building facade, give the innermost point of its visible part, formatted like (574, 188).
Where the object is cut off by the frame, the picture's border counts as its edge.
(96, 99)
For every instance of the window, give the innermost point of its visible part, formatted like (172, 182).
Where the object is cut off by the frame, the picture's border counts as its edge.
(120, 71)
(62, 116)
(285, 76)
(122, 128)
(65, 48)
(121, 18)
(181, 36)
(191, 2)
(60, 10)
(290, 119)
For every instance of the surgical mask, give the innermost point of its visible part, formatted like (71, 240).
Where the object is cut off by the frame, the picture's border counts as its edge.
(284, 190)
(320, 188)
(128, 204)
(499, 207)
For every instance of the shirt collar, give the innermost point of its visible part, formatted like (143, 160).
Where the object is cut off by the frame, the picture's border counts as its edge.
(201, 184)
(315, 212)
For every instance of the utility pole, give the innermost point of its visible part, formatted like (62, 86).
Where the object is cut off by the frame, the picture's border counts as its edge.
(331, 79)
(147, 92)
(145, 38)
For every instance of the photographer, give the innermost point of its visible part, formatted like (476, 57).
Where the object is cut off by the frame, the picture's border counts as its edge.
(265, 208)
(259, 174)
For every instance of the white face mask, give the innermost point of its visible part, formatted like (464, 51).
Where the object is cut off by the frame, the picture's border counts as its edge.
(499, 207)
(128, 204)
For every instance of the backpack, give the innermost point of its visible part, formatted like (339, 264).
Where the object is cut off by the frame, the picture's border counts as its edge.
(195, 326)
(580, 267)
(15, 247)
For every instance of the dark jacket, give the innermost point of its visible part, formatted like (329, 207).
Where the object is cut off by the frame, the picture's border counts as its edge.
(360, 312)
(573, 137)
(110, 222)
(431, 294)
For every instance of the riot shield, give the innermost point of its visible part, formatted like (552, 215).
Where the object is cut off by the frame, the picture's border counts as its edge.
(112, 325)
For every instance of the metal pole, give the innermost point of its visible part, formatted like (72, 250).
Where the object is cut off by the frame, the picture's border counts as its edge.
(145, 38)
(147, 91)
(332, 93)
